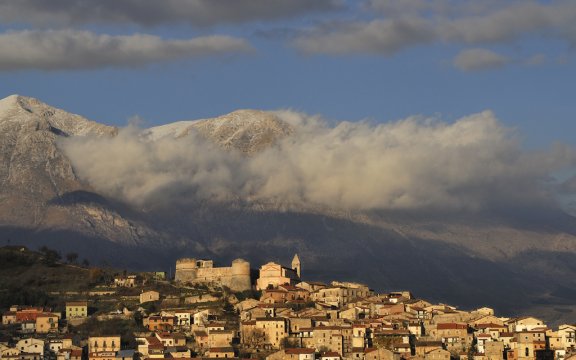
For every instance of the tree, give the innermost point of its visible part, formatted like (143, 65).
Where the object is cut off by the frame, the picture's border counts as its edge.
(255, 338)
(85, 263)
(50, 256)
(95, 275)
(72, 257)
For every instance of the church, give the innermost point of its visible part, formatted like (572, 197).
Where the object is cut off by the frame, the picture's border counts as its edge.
(273, 274)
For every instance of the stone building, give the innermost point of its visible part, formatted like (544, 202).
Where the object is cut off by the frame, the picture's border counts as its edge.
(273, 275)
(236, 277)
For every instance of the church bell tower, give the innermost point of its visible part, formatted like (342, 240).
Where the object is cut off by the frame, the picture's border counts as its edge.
(296, 264)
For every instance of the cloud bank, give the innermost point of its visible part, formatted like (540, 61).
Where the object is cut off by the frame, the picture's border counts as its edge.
(152, 13)
(472, 163)
(72, 49)
(406, 23)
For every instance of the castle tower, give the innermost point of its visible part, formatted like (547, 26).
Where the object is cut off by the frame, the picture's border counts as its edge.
(296, 264)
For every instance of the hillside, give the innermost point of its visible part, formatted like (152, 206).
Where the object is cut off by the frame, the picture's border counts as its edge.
(29, 277)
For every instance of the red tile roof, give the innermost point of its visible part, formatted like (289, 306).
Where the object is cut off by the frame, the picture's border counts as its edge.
(299, 351)
(451, 326)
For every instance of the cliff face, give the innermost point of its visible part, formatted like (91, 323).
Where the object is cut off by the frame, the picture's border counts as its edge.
(510, 261)
(39, 188)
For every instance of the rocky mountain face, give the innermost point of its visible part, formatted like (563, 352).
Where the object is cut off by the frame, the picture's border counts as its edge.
(516, 262)
(40, 190)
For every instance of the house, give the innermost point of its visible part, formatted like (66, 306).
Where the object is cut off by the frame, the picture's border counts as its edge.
(177, 352)
(524, 323)
(46, 323)
(293, 354)
(295, 293)
(568, 335)
(355, 313)
(201, 339)
(54, 345)
(28, 326)
(422, 347)
(125, 281)
(31, 346)
(275, 330)
(481, 340)
(299, 354)
(378, 354)
(104, 343)
(452, 334)
(9, 317)
(184, 318)
(125, 354)
(76, 309)
(160, 323)
(102, 355)
(150, 346)
(223, 352)
(69, 354)
(530, 342)
(311, 286)
(147, 296)
(9, 353)
(494, 350)
(200, 318)
(403, 349)
(330, 338)
(357, 353)
(437, 354)
(171, 339)
(220, 338)
(330, 356)
(273, 296)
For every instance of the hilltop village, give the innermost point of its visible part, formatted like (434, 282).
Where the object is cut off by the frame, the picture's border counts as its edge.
(272, 312)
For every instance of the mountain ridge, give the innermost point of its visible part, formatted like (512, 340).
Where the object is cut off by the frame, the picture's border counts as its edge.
(44, 202)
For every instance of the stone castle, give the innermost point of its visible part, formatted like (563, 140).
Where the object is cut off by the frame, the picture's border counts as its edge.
(236, 277)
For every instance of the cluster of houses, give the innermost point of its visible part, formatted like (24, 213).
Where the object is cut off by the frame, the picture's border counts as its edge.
(290, 319)
(349, 321)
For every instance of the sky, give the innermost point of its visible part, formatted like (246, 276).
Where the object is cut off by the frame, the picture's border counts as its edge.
(375, 60)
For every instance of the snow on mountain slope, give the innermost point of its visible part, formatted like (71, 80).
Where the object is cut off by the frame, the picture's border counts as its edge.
(248, 131)
(21, 109)
(172, 130)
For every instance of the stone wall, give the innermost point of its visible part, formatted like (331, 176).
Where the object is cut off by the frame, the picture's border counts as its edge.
(236, 277)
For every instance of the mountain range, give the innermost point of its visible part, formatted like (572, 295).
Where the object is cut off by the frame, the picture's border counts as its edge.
(516, 259)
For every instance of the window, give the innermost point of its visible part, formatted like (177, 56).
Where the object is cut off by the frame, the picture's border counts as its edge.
(527, 352)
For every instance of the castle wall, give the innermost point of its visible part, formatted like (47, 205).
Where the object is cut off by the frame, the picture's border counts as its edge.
(236, 277)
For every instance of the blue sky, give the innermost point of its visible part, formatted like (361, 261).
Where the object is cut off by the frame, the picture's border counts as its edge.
(380, 60)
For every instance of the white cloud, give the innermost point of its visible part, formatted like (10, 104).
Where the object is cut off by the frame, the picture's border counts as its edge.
(379, 36)
(410, 23)
(411, 164)
(71, 49)
(151, 13)
(479, 59)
